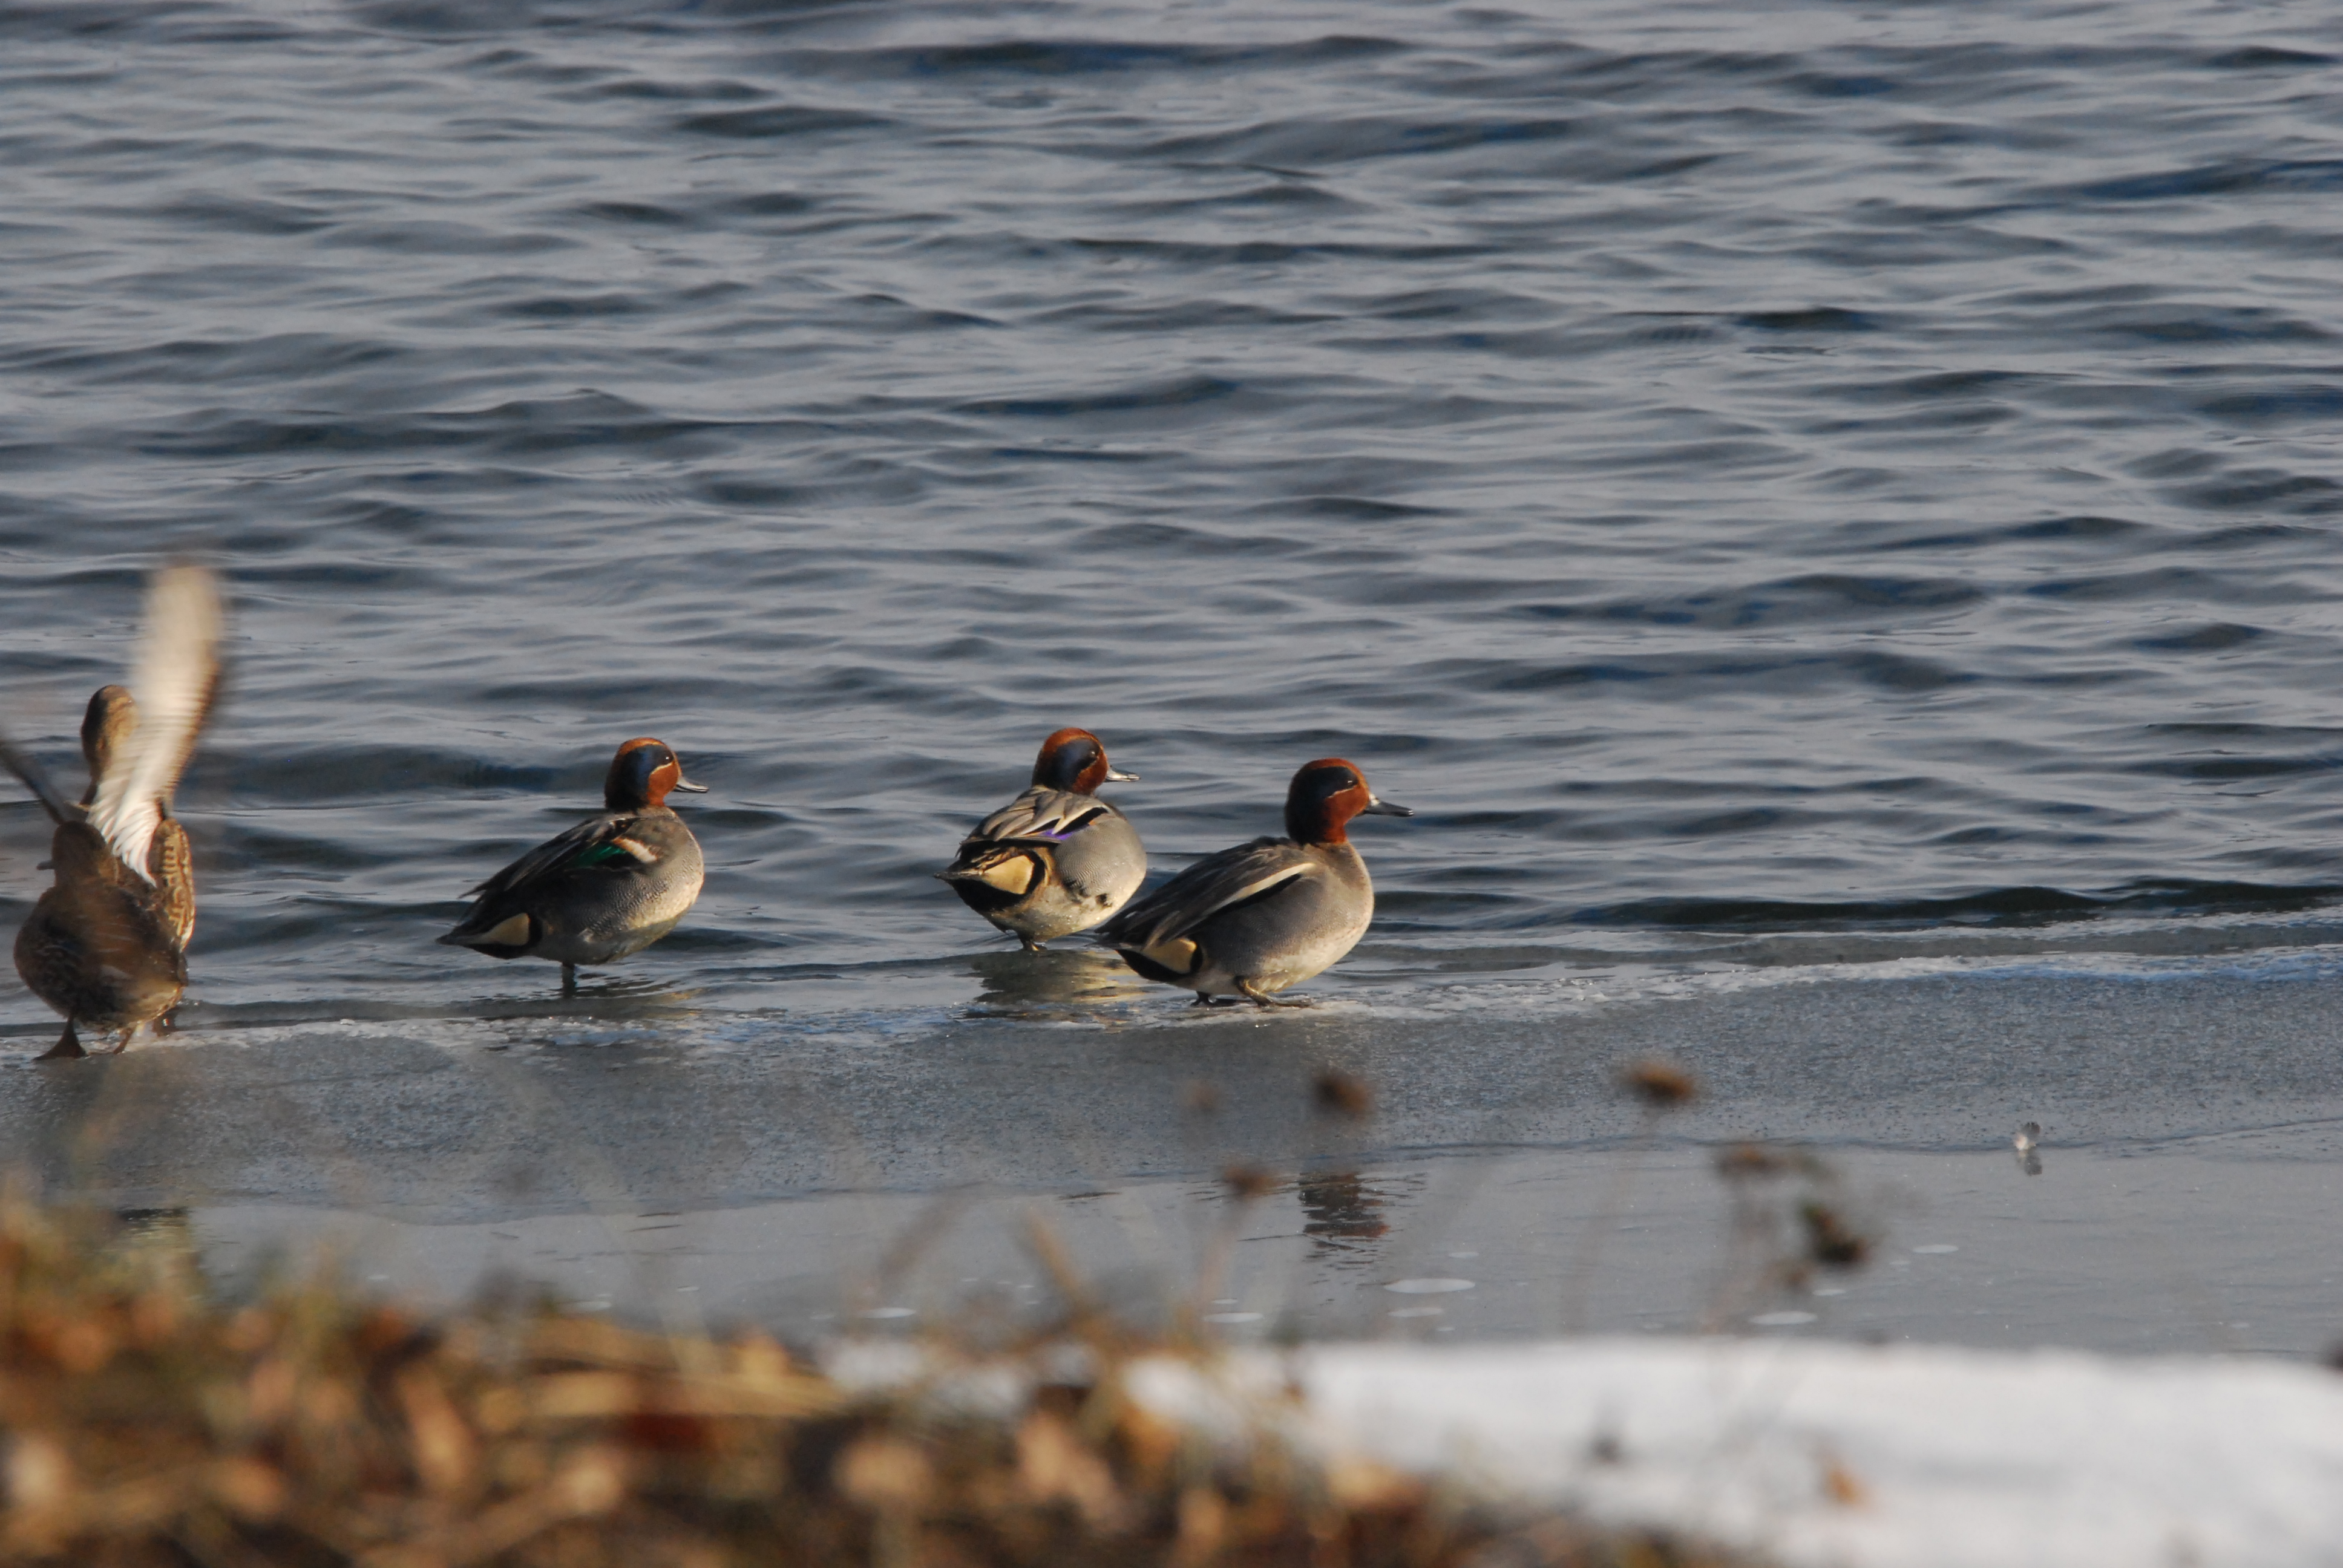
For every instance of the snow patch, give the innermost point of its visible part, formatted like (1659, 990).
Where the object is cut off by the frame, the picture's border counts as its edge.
(1827, 1455)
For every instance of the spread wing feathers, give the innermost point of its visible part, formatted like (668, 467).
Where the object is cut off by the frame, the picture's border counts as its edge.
(174, 679)
(1218, 882)
(36, 779)
(598, 843)
(1051, 815)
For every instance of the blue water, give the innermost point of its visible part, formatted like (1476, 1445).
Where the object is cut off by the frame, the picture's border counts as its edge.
(1868, 460)
(1828, 512)
(1867, 465)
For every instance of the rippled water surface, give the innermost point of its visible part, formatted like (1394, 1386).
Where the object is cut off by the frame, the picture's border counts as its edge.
(1827, 486)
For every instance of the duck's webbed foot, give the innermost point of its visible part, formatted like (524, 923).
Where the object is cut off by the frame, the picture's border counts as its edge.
(68, 1048)
(1263, 999)
(1205, 999)
(569, 980)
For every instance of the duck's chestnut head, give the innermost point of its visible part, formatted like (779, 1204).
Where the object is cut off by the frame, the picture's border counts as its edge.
(1073, 760)
(1325, 795)
(642, 773)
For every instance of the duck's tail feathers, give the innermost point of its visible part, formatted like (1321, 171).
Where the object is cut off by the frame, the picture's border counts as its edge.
(36, 779)
(1011, 869)
(508, 938)
(174, 679)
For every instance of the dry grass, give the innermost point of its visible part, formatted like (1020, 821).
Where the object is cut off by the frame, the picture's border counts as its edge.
(147, 1424)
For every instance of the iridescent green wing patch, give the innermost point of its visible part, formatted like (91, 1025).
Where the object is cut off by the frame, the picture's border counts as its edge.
(610, 852)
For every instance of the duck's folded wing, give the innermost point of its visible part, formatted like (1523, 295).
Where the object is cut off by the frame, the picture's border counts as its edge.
(1049, 815)
(174, 679)
(1217, 882)
(598, 843)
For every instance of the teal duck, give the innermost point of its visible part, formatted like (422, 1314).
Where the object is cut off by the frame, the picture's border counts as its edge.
(1254, 919)
(611, 886)
(1057, 859)
(106, 943)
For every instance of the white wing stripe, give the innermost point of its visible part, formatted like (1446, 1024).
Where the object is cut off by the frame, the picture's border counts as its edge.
(178, 658)
(1259, 885)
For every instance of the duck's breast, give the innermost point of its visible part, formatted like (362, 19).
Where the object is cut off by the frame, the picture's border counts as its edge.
(1101, 864)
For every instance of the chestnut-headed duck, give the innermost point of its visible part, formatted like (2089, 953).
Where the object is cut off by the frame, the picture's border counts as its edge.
(1259, 917)
(612, 885)
(1057, 859)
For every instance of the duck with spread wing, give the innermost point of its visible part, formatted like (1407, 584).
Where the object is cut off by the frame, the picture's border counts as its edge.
(107, 944)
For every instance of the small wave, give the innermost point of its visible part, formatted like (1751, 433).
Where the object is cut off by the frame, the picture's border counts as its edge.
(1813, 598)
(1049, 57)
(1180, 393)
(1319, 142)
(1991, 907)
(773, 121)
(2240, 177)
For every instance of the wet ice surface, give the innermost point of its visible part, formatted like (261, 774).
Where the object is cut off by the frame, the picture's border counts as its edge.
(2119, 1253)
(810, 1169)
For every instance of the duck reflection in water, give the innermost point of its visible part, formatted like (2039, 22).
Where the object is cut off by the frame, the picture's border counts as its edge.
(169, 1230)
(1341, 1210)
(1022, 983)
